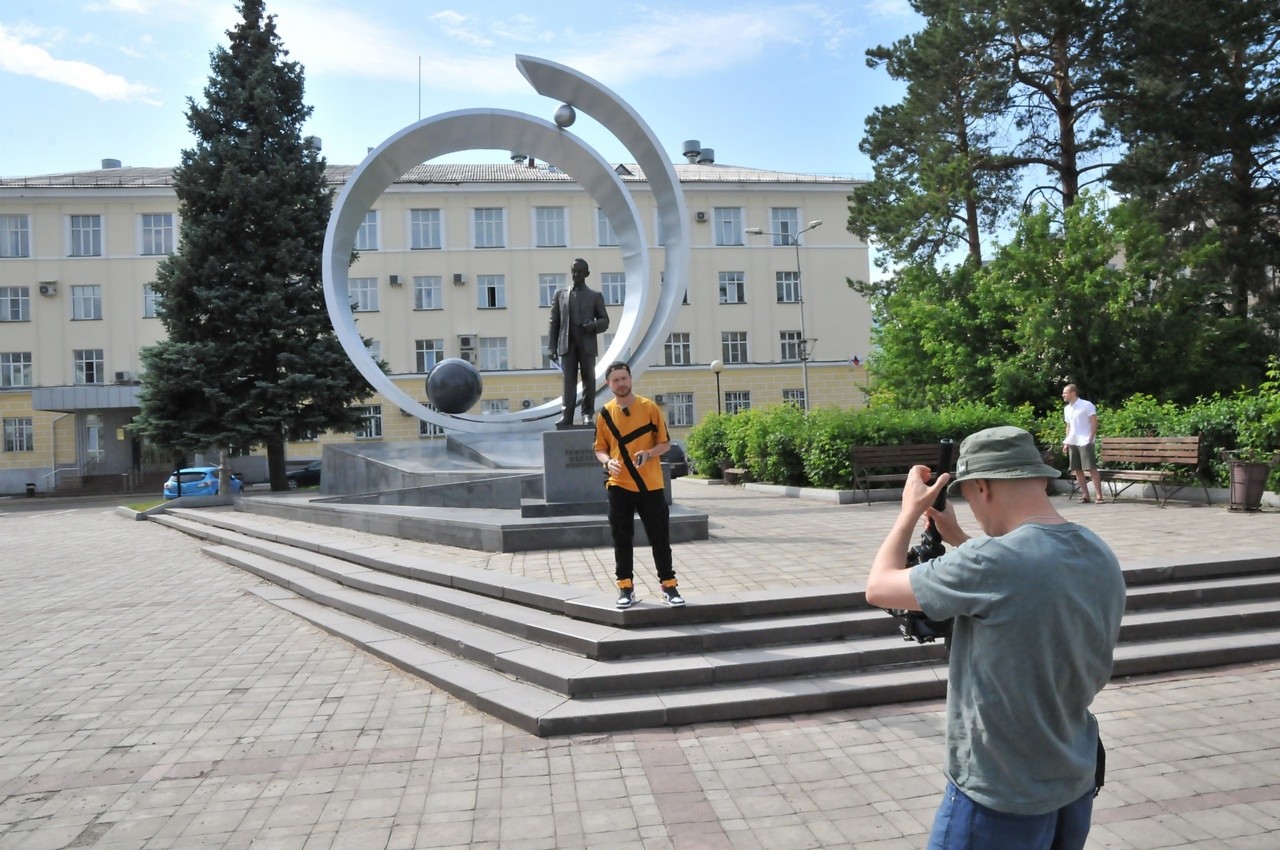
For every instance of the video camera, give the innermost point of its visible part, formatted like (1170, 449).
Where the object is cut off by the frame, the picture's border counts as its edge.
(915, 625)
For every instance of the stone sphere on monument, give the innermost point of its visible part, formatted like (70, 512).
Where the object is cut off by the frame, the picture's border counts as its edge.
(454, 385)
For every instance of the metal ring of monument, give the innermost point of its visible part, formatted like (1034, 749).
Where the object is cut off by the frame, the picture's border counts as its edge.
(472, 129)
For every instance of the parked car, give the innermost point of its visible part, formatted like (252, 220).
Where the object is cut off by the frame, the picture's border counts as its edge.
(308, 476)
(676, 459)
(200, 481)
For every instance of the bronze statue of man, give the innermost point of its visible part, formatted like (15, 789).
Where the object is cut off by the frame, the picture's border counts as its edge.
(577, 317)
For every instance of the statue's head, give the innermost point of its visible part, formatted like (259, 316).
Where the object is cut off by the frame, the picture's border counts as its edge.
(580, 269)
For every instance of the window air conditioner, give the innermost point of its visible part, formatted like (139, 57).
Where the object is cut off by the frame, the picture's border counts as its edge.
(395, 280)
(700, 216)
(466, 341)
(48, 289)
(458, 279)
(660, 399)
(123, 377)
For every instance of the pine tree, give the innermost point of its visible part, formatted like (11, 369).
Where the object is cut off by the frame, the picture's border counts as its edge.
(251, 359)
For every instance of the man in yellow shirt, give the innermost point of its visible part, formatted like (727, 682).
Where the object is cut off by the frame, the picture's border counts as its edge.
(630, 437)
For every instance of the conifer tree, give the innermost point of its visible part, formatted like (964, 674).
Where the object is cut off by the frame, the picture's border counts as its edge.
(251, 359)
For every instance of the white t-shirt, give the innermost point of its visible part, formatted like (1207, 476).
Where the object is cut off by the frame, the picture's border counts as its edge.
(1077, 416)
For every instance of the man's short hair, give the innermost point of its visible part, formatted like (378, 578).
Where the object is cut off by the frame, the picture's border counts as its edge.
(613, 367)
(1071, 388)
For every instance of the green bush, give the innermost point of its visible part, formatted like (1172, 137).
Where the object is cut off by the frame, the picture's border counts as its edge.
(785, 445)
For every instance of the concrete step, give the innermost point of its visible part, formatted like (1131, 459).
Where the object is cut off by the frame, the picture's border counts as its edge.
(554, 659)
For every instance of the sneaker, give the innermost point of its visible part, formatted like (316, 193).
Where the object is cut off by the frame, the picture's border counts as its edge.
(671, 596)
(626, 598)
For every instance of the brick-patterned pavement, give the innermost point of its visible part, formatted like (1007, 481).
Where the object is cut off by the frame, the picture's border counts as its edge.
(147, 700)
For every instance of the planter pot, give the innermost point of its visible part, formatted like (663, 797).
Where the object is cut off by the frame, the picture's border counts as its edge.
(1248, 482)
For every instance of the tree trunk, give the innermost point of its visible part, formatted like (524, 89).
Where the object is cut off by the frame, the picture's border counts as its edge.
(275, 462)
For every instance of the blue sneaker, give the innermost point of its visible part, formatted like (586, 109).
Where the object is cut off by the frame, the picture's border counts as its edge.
(672, 597)
(626, 598)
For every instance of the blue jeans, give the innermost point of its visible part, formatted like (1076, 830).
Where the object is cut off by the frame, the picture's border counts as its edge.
(962, 824)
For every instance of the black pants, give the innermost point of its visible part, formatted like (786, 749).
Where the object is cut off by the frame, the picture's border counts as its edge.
(578, 366)
(652, 506)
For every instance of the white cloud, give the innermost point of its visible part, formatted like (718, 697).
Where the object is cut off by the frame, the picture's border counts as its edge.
(474, 53)
(18, 56)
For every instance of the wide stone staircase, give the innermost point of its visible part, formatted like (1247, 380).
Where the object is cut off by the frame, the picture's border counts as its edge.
(554, 659)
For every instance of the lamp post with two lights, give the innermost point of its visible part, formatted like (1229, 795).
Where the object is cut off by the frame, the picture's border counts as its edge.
(794, 239)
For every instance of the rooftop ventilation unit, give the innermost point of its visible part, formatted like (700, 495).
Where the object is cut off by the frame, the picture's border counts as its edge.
(692, 148)
(707, 156)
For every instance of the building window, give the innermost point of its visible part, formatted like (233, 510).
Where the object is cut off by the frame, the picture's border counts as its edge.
(428, 292)
(728, 225)
(794, 397)
(680, 410)
(367, 235)
(374, 347)
(496, 405)
(19, 434)
(427, 354)
(15, 369)
(492, 354)
(549, 227)
(792, 343)
(490, 227)
(94, 427)
(491, 291)
(157, 233)
(429, 429)
(788, 287)
(548, 286)
(545, 343)
(613, 286)
(736, 401)
(605, 237)
(363, 294)
(15, 304)
(733, 346)
(86, 302)
(424, 230)
(677, 351)
(785, 224)
(150, 301)
(371, 427)
(89, 365)
(15, 236)
(86, 236)
(733, 288)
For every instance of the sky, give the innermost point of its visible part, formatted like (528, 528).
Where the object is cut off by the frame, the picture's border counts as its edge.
(773, 85)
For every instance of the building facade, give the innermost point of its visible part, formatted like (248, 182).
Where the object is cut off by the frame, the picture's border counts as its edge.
(454, 261)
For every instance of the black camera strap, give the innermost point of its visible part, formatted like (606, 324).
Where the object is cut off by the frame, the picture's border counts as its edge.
(625, 456)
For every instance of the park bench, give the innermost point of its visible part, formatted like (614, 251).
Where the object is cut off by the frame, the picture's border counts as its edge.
(1166, 463)
(890, 464)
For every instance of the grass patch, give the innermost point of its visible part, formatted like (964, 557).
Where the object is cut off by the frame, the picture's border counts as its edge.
(142, 506)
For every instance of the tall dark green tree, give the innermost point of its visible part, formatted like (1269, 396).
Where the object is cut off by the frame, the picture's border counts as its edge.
(1060, 58)
(939, 185)
(1201, 122)
(251, 358)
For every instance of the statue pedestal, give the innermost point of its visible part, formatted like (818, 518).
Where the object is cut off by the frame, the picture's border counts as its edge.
(572, 478)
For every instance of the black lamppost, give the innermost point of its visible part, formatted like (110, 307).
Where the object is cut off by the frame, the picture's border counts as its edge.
(794, 239)
(717, 367)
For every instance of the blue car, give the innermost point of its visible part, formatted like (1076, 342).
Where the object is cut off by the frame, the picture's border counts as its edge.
(199, 481)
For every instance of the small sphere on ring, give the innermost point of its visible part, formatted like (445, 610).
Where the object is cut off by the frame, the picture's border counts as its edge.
(566, 115)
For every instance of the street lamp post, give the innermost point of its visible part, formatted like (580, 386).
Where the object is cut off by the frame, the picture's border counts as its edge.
(804, 337)
(717, 367)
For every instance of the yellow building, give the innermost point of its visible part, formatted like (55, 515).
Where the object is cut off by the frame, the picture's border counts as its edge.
(455, 260)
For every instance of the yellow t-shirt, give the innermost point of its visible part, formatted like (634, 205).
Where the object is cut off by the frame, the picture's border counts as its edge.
(640, 428)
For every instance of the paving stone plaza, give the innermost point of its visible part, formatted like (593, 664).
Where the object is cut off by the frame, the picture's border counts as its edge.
(148, 699)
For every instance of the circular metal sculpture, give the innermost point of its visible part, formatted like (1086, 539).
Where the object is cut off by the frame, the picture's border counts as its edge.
(471, 129)
(454, 385)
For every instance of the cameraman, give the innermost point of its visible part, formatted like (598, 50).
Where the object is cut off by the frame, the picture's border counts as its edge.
(1037, 606)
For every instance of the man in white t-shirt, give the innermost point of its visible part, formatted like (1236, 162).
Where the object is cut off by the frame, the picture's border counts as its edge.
(1082, 428)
